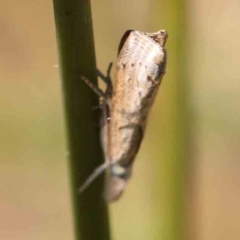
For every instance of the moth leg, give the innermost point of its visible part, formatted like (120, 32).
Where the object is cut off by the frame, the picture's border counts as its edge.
(98, 110)
(106, 79)
(99, 107)
(136, 126)
(103, 101)
(96, 89)
(138, 130)
(103, 110)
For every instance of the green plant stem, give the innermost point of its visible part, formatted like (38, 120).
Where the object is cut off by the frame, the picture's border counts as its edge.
(76, 55)
(173, 162)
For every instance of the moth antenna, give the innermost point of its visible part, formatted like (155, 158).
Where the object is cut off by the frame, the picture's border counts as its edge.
(97, 172)
(109, 69)
(97, 90)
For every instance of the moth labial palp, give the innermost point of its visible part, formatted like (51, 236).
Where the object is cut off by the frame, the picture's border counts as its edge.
(140, 66)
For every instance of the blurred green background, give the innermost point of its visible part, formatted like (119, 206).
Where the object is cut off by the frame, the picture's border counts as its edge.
(34, 183)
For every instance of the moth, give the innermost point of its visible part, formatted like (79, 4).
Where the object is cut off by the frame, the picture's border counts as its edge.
(140, 66)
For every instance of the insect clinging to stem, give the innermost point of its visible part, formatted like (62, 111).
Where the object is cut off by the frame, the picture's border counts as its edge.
(140, 66)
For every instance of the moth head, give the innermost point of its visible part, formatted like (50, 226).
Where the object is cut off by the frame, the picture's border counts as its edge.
(159, 37)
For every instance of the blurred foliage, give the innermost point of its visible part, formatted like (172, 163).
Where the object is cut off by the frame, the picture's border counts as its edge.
(173, 124)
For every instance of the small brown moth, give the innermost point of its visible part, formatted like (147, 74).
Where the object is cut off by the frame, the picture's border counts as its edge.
(140, 67)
